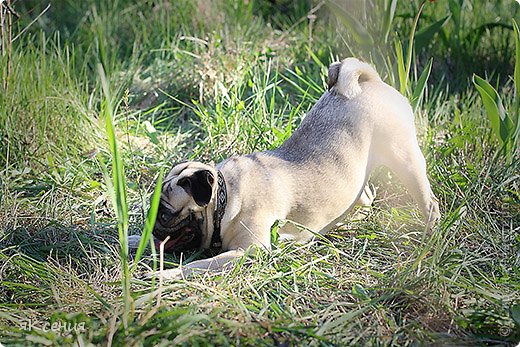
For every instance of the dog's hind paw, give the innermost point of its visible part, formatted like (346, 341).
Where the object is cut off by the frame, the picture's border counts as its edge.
(434, 214)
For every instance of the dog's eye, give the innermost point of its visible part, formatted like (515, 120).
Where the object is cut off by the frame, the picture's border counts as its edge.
(165, 216)
(162, 217)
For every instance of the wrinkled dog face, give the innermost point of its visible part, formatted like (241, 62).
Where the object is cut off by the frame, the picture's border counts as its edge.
(186, 194)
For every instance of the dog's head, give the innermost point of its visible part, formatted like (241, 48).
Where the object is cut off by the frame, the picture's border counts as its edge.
(186, 201)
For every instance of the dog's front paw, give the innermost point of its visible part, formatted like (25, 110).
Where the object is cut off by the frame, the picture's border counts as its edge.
(168, 275)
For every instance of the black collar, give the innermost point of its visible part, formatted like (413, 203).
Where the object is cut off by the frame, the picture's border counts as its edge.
(220, 209)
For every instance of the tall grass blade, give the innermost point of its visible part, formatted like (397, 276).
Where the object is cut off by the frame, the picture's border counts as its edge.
(456, 11)
(516, 76)
(411, 44)
(500, 122)
(358, 31)
(404, 67)
(418, 92)
(150, 220)
(315, 58)
(390, 6)
(119, 198)
(401, 69)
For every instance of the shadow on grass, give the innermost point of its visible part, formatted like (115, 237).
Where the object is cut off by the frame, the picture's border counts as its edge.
(61, 241)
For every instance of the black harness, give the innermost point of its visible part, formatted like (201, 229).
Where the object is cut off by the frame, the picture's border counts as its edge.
(220, 209)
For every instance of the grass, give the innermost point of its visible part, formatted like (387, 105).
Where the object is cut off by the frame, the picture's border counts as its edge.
(206, 80)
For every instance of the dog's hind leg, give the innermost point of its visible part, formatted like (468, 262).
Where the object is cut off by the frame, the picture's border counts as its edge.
(408, 163)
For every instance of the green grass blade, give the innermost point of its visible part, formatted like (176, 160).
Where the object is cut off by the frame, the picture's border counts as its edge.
(456, 11)
(478, 32)
(421, 86)
(401, 69)
(119, 196)
(500, 122)
(150, 220)
(118, 179)
(390, 6)
(517, 57)
(411, 41)
(310, 85)
(516, 78)
(346, 317)
(315, 58)
(425, 35)
(358, 31)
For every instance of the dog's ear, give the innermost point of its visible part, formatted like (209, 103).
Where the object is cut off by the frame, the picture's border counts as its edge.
(199, 185)
(333, 74)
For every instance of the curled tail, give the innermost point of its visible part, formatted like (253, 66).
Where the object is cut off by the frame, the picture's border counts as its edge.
(345, 76)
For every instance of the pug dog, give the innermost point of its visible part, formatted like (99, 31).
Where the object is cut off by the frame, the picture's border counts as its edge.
(312, 180)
